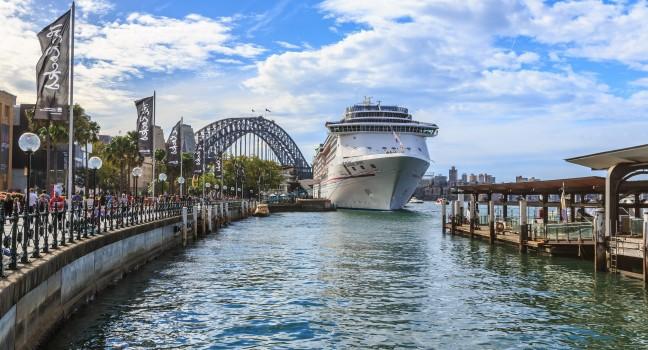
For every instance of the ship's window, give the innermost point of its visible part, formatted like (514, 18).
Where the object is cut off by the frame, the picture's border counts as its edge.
(373, 166)
(354, 169)
(420, 149)
(362, 167)
(384, 147)
(395, 148)
(369, 148)
(409, 148)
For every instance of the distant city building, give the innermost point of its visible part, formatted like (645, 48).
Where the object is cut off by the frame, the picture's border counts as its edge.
(188, 139)
(7, 102)
(452, 176)
(105, 139)
(464, 178)
(525, 179)
(472, 179)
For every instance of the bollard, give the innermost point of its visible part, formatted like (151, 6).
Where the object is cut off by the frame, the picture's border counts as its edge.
(524, 229)
(645, 250)
(600, 263)
(184, 226)
(194, 226)
(491, 220)
(443, 216)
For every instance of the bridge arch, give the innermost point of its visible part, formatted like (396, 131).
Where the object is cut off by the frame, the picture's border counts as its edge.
(216, 138)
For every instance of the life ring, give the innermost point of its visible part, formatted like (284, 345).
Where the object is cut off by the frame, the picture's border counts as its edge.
(499, 227)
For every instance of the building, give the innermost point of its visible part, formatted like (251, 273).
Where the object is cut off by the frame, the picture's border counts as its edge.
(7, 102)
(452, 176)
(472, 179)
(187, 137)
(147, 165)
(464, 178)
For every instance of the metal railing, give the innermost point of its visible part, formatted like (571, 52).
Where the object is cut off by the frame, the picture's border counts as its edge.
(573, 231)
(30, 233)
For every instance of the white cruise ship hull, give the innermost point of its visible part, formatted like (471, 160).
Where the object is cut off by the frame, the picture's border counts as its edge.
(386, 183)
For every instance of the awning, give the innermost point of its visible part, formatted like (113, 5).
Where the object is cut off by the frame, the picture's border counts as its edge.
(581, 185)
(605, 160)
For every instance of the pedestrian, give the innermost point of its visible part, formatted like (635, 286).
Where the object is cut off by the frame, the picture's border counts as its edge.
(32, 200)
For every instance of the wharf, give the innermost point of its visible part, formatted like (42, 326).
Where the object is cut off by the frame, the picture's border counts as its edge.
(556, 246)
(302, 205)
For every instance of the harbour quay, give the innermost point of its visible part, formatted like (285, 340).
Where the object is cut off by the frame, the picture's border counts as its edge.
(63, 266)
(597, 218)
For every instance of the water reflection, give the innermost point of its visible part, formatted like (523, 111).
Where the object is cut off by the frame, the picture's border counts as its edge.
(360, 279)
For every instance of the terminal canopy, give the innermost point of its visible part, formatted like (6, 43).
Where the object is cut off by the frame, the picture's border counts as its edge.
(607, 159)
(580, 185)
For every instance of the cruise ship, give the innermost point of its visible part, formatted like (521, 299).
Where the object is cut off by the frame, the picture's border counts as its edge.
(373, 158)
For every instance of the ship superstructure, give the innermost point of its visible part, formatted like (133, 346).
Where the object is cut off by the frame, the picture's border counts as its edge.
(373, 158)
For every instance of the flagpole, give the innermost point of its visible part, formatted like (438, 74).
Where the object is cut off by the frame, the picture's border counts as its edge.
(153, 150)
(203, 170)
(180, 139)
(70, 182)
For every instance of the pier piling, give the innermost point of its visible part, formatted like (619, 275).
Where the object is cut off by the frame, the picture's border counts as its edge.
(600, 259)
(443, 216)
(474, 220)
(645, 247)
(491, 219)
(524, 228)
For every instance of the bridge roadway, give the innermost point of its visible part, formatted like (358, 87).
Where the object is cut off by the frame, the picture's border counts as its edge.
(48, 275)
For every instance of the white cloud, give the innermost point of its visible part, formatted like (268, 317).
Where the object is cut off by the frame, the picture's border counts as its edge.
(287, 45)
(441, 58)
(88, 7)
(19, 41)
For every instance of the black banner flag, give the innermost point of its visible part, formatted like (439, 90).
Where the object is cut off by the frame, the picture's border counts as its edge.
(198, 157)
(52, 70)
(145, 125)
(173, 145)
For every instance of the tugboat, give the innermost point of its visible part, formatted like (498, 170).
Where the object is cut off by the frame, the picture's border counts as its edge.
(262, 210)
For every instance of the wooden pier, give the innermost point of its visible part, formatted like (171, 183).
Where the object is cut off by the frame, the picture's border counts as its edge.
(615, 236)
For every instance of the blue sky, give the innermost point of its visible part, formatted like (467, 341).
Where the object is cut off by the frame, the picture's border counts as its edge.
(515, 86)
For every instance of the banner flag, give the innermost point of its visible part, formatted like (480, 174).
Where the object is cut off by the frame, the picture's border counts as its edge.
(173, 145)
(145, 125)
(218, 165)
(52, 70)
(198, 157)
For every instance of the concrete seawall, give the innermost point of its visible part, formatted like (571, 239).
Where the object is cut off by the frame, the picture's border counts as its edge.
(36, 298)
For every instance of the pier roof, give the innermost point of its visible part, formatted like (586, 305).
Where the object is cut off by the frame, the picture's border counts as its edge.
(591, 184)
(607, 159)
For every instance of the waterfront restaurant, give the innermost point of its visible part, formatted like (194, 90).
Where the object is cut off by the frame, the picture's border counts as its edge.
(603, 218)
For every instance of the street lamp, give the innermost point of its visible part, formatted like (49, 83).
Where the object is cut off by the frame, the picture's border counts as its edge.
(162, 177)
(208, 186)
(181, 180)
(28, 143)
(137, 172)
(95, 164)
(216, 187)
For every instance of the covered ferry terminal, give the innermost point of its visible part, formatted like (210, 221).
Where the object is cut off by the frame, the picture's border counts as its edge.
(599, 218)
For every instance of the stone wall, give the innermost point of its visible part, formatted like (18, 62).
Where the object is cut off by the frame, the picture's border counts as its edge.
(36, 298)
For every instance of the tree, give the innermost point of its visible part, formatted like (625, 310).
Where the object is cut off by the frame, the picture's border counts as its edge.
(123, 153)
(53, 133)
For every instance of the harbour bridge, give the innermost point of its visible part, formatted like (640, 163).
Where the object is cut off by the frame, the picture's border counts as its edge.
(252, 136)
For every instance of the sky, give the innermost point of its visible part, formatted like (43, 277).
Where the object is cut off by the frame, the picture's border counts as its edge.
(514, 86)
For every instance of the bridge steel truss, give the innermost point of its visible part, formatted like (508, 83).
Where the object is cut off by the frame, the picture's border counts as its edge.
(218, 136)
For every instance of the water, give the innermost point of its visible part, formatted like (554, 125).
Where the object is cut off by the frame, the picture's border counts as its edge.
(355, 279)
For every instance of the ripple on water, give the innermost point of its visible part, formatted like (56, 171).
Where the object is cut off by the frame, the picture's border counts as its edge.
(355, 279)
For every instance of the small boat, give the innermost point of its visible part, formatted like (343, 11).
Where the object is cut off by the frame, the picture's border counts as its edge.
(440, 201)
(415, 200)
(262, 210)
